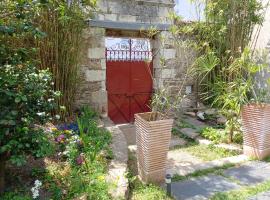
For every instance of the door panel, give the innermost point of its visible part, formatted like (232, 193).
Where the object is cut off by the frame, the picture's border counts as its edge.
(129, 86)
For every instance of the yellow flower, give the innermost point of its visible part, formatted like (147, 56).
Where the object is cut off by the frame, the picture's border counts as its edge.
(101, 178)
(54, 129)
(67, 131)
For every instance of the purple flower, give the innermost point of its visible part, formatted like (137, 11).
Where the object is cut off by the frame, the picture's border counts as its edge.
(60, 138)
(80, 159)
(79, 143)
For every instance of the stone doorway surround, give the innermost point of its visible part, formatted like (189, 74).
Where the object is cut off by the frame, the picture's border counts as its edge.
(125, 18)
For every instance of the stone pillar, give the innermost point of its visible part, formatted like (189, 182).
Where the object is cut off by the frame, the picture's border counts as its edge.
(92, 89)
(171, 64)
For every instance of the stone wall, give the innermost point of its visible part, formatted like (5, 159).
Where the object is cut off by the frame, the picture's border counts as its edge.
(146, 11)
(171, 67)
(92, 90)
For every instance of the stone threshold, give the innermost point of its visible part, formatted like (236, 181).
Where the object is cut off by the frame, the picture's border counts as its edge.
(118, 167)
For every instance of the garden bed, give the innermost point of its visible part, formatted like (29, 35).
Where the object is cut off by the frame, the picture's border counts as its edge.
(76, 169)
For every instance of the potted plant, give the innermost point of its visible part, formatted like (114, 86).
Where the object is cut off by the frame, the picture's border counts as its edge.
(251, 99)
(153, 129)
(256, 128)
(153, 135)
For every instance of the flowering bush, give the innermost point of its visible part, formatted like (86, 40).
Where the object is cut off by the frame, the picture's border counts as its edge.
(84, 140)
(26, 95)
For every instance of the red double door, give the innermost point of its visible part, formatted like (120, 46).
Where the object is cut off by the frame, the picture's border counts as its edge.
(129, 87)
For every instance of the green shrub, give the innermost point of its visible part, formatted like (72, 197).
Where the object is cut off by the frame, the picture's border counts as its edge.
(213, 134)
(26, 95)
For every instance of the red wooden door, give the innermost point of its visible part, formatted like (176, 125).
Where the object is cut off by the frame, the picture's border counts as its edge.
(129, 87)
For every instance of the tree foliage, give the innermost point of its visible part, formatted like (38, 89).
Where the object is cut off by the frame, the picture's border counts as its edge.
(26, 95)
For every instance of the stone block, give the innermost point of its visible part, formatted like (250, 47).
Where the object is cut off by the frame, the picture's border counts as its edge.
(167, 73)
(95, 75)
(103, 85)
(127, 18)
(164, 11)
(93, 64)
(96, 53)
(168, 53)
(103, 63)
(97, 41)
(189, 132)
(100, 97)
(111, 17)
(100, 16)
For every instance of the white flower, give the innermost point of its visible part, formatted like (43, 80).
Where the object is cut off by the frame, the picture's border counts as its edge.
(38, 183)
(57, 116)
(41, 114)
(35, 189)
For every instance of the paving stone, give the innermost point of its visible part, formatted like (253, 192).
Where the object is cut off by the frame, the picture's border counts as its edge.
(129, 132)
(201, 188)
(196, 123)
(202, 140)
(189, 132)
(188, 164)
(180, 162)
(261, 196)
(252, 172)
(176, 141)
(118, 166)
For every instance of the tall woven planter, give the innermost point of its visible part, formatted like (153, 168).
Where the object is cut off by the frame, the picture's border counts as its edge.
(256, 127)
(153, 141)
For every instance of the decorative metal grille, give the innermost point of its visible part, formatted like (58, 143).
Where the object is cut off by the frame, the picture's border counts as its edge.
(128, 50)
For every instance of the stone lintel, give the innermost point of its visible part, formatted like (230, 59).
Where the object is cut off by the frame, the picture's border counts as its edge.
(134, 26)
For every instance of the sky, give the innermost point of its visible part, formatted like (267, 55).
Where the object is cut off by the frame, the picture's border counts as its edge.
(186, 9)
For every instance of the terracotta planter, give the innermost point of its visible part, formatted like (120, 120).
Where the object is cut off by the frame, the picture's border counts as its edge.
(153, 141)
(256, 127)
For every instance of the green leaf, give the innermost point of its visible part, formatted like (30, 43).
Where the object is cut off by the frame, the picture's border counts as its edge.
(24, 98)
(17, 100)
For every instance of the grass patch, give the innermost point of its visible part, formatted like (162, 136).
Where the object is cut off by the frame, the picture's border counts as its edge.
(214, 170)
(183, 124)
(208, 152)
(142, 191)
(215, 135)
(243, 193)
(138, 190)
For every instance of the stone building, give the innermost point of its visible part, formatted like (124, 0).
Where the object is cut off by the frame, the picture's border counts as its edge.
(132, 19)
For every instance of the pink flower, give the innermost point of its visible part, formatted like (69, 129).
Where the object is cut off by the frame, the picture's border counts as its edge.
(80, 159)
(60, 138)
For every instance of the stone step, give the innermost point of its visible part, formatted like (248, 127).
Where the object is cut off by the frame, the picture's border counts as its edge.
(177, 142)
(189, 132)
(194, 122)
